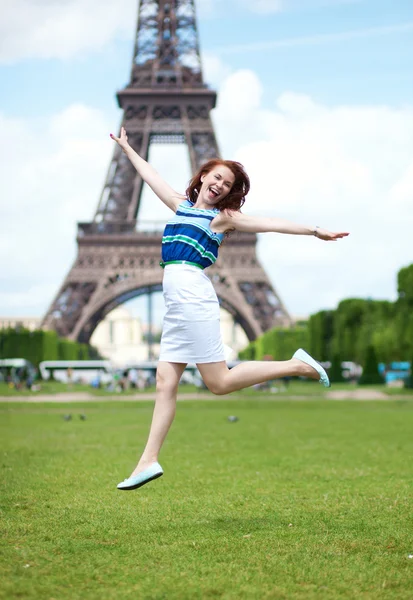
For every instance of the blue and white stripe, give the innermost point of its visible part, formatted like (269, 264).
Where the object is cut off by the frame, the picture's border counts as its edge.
(188, 236)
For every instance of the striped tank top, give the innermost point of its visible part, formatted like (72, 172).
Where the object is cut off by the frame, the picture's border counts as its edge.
(188, 236)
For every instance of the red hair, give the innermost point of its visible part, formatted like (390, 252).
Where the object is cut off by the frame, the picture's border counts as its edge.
(240, 188)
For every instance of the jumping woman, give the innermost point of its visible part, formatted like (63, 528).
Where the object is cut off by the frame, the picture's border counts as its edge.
(191, 329)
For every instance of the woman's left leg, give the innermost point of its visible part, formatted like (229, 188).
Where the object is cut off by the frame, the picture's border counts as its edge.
(221, 380)
(167, 381)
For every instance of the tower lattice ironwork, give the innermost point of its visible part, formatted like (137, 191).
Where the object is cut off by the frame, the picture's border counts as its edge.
(165, 101)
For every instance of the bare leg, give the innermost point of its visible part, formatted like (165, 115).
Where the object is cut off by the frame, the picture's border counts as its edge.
(167, 380)
(221, 380)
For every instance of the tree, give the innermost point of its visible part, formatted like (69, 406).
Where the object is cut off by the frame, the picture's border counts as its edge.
(67, 350)
(349, 318)
(370, 373)
(404, 304)
(280, 343)
(247, 353)
(335, 373)
(320, 334)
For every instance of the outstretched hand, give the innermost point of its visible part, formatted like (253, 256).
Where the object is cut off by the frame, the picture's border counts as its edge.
(328, 236)
(122, 140)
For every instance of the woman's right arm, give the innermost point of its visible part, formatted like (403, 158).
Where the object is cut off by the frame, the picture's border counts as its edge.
(163, 190)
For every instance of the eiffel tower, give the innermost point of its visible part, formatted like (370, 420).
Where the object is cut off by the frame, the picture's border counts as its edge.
(166, 101)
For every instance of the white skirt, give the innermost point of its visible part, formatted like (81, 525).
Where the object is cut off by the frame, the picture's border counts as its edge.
(191, 331)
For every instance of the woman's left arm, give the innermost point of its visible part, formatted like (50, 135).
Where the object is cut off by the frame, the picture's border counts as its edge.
(240, 222)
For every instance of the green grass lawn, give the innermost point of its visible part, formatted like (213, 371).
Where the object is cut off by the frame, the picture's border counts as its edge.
(301, 499)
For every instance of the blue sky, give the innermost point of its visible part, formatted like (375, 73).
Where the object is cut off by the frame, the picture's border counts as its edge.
(352, 52)
(323, 86)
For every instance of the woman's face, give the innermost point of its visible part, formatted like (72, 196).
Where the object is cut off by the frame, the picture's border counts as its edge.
(216, 184)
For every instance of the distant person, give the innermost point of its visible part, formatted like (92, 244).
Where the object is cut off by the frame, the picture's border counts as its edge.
(29, 380)
(133, 378)
(191, 328)
(124, 380)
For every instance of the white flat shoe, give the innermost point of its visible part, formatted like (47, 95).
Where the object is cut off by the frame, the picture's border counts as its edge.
(136, 481)
(309, 360)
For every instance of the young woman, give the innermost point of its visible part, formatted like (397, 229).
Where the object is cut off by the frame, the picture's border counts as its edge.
(191, 331)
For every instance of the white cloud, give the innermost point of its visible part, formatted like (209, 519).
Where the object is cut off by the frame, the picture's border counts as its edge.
(65, 30)
(55, 29)
(28, 300)
(52, 174)
(265, 6)
(344, 167)
(318, 39)
(210, 8)
(215, 71)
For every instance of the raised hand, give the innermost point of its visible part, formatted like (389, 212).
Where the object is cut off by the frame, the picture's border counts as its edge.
(328, 236)
(122, 140)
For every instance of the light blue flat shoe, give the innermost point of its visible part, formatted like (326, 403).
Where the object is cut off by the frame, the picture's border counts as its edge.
(306, 358)
(137, 481)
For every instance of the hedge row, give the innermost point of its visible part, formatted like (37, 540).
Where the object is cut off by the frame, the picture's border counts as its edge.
(276, 344)
(39, 345)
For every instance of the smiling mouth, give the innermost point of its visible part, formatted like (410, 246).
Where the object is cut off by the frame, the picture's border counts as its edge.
(213, 193)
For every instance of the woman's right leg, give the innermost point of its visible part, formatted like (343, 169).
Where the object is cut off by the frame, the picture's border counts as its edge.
(221, 380)
(167, 380)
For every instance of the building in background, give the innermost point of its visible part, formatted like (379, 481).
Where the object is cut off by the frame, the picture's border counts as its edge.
(232, 334)
(120, 338)
(30, 323)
